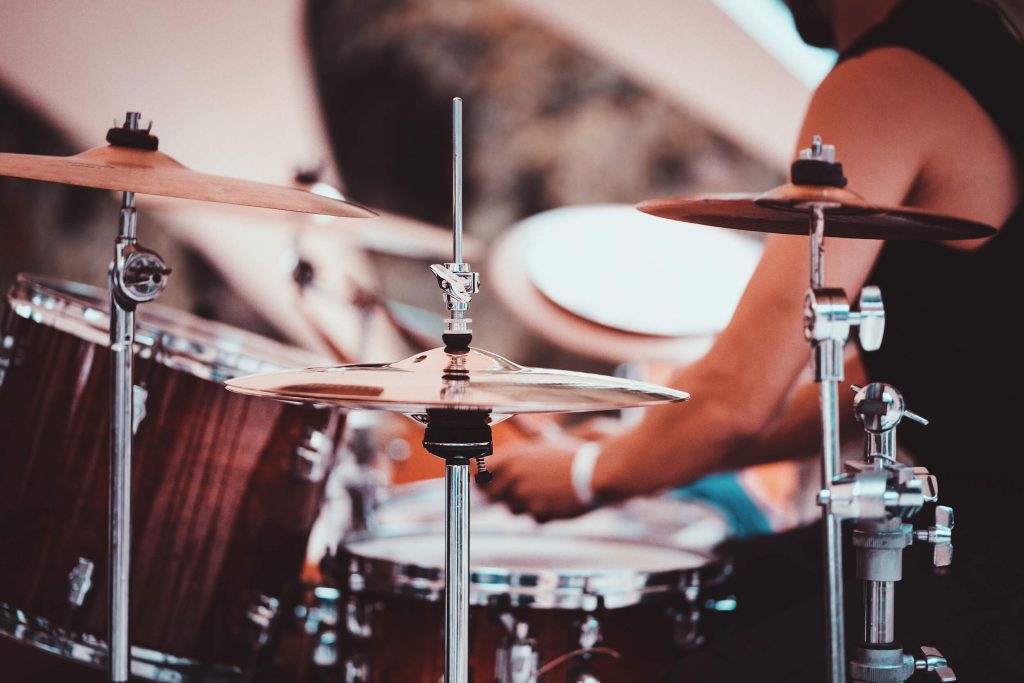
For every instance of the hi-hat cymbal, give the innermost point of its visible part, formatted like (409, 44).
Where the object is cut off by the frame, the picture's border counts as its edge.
(127, 169)
(785, 210)
(436, 379)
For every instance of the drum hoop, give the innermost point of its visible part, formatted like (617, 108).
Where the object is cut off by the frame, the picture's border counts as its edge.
(146, 664)
(81, 310)
(538, 588)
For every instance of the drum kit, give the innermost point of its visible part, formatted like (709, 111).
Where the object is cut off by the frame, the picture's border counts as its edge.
(198, 542)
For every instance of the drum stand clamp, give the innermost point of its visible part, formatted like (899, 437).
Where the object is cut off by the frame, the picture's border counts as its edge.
(881, 494)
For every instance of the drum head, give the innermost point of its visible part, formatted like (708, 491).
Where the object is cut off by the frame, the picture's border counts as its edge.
(201, 347)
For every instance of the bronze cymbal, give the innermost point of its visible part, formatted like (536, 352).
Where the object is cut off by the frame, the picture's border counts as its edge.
(127, 169)
(785, 210)
(436, 379)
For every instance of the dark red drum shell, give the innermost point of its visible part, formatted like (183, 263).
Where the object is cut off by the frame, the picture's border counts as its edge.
(408, 641)
(219, 520)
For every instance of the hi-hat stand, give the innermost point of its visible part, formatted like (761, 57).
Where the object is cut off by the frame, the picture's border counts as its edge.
(458, 436)
(827, 322)
(137, 275)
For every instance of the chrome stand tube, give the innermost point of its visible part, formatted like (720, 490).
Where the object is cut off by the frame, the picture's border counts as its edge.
(879, 612)
(828, 359)
(456, 567)
(122, 346)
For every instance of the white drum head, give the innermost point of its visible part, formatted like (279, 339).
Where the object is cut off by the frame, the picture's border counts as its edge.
(613, 265)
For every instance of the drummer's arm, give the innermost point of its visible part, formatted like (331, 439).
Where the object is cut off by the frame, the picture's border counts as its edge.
(867, 109)
(796, 434)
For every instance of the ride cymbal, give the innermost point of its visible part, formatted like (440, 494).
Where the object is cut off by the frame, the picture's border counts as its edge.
(785, 210)
(437, 379)
(129, 169)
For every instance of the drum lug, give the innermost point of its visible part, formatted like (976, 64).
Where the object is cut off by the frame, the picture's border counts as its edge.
(311, 458)
(262, 614)
(686, 631)
(516, 659)
(6, 354)
(357, 668)
(139, 398)
(359, 618)
(589, 632)
(325, 654)
(80, 581)
(322, 610)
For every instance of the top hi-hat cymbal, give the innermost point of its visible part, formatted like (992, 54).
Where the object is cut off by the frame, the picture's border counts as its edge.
(437, 379)
(130, 169)
(785, 210)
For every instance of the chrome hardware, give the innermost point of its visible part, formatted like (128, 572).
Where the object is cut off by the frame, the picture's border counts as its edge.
(686, 628)
(6, 353)
(322, 610)
(311, 458)
(589, 632)
(727, 604)
(262, 615)
(516, 659)
(585, 677)
(940, 535)
(359, 618)
(144, 664)
(458, 284)
(80, 581)
(828, 317)
(143, 274)
(881, 665)
(457, 280)
(880, 408)
(357, 668)
(819, 151)
(869, 318)
(934, 662)
(325, 653)
(139, 397)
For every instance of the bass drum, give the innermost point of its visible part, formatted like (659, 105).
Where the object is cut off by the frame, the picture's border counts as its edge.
(225, 490)
(615, 595)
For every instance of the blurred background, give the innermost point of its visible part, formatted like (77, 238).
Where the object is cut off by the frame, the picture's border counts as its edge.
(567, 103)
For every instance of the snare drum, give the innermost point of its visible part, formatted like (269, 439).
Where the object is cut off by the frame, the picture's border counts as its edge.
(606, 596)
(225, 488)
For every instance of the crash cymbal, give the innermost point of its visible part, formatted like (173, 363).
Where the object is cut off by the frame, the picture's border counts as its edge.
(609, 282)
(436, 379)
(128, 169)
(785, 210)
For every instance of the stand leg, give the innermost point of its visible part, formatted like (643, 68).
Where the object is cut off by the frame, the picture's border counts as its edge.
(456, 616)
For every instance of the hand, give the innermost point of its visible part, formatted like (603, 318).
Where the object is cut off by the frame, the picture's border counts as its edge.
(535, 477)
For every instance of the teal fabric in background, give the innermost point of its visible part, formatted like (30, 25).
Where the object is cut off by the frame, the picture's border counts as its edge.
(726, 494)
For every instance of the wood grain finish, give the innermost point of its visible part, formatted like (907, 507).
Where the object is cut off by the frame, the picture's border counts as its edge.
(218, 518)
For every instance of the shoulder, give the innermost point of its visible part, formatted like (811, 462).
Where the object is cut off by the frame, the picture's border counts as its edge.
(892, 82)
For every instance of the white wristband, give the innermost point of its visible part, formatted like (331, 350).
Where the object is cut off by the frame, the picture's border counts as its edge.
(583, 463)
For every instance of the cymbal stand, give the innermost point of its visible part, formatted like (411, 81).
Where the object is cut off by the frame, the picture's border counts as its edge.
(881, 495)
(136, 276)
(458, 436)
(827, 322)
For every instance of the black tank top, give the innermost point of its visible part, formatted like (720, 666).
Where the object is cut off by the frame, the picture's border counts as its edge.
(950, 342)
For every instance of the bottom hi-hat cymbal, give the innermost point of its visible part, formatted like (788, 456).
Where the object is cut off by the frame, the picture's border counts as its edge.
(786, 209)
(438, 379)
